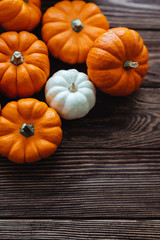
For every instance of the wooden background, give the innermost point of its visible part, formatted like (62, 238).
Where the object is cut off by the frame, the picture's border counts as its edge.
(104, 180)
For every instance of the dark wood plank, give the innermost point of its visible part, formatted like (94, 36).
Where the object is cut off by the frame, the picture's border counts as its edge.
(79, 183)
(132, 14)
(80, 230)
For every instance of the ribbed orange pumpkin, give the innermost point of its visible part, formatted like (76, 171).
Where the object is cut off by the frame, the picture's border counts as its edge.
(24, 64)
(118, 61)
(29, 130)
(20, 15)
(69, 29)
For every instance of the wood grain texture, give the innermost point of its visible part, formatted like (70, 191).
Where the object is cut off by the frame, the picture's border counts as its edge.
(79, 230)
(79, 183)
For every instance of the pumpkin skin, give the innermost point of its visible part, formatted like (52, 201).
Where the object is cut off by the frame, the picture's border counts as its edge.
(70, 93)
(24, 64)
(18, 15)
(118, 61)
(29, 131)
(69, 29)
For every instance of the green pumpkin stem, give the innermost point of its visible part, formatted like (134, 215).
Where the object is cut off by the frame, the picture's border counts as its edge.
(129, 65)
(77, 25)
(25, 1)
(27, 130)
(17, 58)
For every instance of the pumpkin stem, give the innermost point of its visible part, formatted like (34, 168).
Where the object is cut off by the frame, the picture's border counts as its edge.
(72, 88)
(27, 130)
(17, 58)
(129, 65)
(25, 1)
(77, 25)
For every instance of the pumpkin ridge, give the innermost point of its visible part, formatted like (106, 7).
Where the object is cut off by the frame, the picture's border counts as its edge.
(8, 121)
(83, 6)
(110, 88)
(45, 136)
(112, 83)
(22, 43)
(30, 77)
(35, 7)
(1, 36)
(84, 32)
(137, 86)
(28, 49)
(5, 71)
(14, 67)
(37, 147)
(67, 30)
(64, 46)
(32, 8)
(86, 104)
(56, 40)
(55, 34)
(38, 140)
(9, 22)
(133, 33)
(10, 51)
(136, 70)
(26, 143)
(85, 10)
(57, 19)
(80, 9)
(128, 73)
(35, 3)
(88, 24)
(15, 13)
(140, 54)
(53, 99)
(13, 143)
(109, 53)
(117, 82)
(4, 22)
(112, 31)
(28, 62)
(64, 13)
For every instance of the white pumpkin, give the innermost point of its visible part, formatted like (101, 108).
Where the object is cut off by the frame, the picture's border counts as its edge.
(70, 93)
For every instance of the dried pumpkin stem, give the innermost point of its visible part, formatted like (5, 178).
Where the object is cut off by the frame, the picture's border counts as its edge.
(27, 130)
(129, 65)
(77, 25)
(17, 58)
(72, 88)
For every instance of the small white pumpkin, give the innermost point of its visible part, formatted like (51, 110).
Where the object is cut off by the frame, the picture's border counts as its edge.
(70, 93)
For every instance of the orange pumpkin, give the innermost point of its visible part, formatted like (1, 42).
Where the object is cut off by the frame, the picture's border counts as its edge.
(29, 131)
(20, 15)
(24, 64)
(118, 61)
(69, 29)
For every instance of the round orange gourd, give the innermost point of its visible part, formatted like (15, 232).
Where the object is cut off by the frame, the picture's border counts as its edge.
(29, 130)
(118, 61)
(20, 15)
(24, 64)
(69, 29)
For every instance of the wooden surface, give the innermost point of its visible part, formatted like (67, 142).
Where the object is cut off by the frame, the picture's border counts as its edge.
(104, 180)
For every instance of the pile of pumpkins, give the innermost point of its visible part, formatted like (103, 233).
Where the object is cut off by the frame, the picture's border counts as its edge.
(74, 32)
